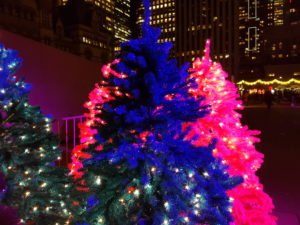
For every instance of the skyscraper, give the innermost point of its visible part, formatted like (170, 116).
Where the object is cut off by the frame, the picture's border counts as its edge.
(197, 21)
(189, 23)
(80, 20)
(162, 16)
(268, 36)
(122, 22)
(69, 26)
(115, 18)
(252, 22)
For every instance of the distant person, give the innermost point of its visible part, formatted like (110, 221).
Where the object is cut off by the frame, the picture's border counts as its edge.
(268, 99)
(293, 98)
(245, 97)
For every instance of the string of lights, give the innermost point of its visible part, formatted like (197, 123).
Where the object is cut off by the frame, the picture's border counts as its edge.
(271, 82)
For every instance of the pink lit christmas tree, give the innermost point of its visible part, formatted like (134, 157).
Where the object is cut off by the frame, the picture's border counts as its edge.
(252, 206)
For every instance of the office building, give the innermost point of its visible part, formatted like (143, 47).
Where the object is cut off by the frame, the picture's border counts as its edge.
(163, 17)
(70, 26)
(187, 24)
(122, 23)
(269, 39)
(197, 21)
(115, 18)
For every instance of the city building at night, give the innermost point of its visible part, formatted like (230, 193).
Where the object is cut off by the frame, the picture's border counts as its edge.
(115, 18)
(80, 21)
(163, 17)
(70, 26)
(187, 24)
(197, 21)
(122, 23)
(251, 26)
(269, 39)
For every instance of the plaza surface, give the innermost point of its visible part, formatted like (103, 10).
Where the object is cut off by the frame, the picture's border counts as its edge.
(280, 142)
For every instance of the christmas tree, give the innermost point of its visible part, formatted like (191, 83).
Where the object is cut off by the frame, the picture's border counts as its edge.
(134, 163)
(8, 215)
(236, 143)
(28, 149)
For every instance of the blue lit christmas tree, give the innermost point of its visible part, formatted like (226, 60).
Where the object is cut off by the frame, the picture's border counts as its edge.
(134, 164)
(35, 187)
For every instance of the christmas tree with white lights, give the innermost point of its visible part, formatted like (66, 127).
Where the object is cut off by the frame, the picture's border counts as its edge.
(35, 187)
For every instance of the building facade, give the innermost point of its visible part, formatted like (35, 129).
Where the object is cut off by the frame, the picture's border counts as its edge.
(252, 23)
(269, 39)
(122, 30)
(187, 24)
(69, 26)
(115, 18)
(197, 21)
(162, 16)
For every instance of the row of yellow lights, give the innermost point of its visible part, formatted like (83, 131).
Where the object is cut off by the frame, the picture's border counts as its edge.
(275, 81)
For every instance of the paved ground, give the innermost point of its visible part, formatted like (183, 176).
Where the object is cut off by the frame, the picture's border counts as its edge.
(280, 143)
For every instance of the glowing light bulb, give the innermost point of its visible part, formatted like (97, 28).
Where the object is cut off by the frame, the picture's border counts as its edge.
(205, 174)
(98, 180)
(136, 193)
(166, 222)
(100, 220)
(246, 156)
(167, 205)
(148, 186)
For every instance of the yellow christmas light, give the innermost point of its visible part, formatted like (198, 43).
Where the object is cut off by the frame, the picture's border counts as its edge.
(275, 81)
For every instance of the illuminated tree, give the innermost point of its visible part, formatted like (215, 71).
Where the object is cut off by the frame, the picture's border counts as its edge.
(235, 145)
(28, 149)
(134, 162)
(8, 215)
